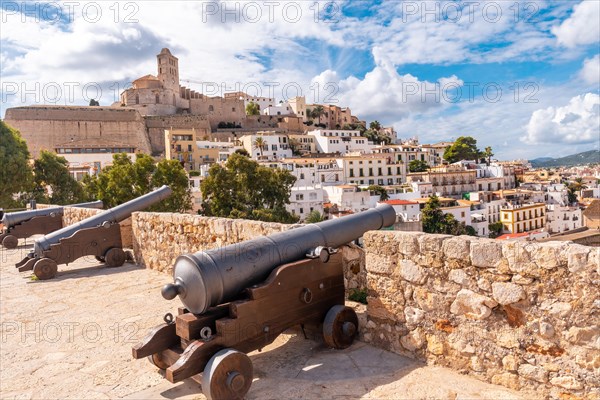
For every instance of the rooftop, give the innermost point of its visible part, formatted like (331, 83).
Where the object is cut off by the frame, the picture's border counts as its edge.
(399, 202)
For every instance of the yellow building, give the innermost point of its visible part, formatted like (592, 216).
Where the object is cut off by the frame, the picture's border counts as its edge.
(523, 218)
(180, 144)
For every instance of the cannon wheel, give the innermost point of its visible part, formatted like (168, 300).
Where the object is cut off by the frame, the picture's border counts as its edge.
(45, 268)
(115, 257)
(340, 327)
(158, 362)
(10, 242)
(228, 375)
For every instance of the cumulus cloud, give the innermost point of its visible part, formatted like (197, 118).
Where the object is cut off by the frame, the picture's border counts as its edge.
(582, 27)
(576, 123)
(384, 94)
(590, 73)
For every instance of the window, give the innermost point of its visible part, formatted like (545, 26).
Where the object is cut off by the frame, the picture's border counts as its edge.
(312, 196)
(189, 147)
(301, 176)
(370, 171)
(301, 210)
(211, 108)
(462, 214)
(300, 197)
(157, 98)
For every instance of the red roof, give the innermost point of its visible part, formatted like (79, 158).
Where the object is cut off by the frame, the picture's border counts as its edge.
(515, 235)
(399, 202)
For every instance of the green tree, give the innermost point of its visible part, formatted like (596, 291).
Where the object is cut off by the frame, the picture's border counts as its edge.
(432, 216)
(488, 154)
(418, 166)
(313, 217)
(574, 188)
(259, 144)
(375, 126)
(242, 152)
(125, 180)
(464, 148)
(94, 102)
(379, 190)
(317, 113)
(252, 109)
(495, 230)
(53, 183)
(242, 188)
(16, 175)
(295, 146)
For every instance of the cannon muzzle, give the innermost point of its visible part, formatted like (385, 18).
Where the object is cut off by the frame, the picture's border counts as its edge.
(209, 278)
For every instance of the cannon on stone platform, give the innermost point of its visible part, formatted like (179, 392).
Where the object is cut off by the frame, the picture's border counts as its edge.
(23, 224)
(98, 236)
(239, 298)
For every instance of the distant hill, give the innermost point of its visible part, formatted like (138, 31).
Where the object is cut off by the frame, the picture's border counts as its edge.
(587, 157)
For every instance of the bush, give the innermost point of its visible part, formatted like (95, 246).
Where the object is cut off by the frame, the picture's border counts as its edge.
(358, 295)
(194, 173)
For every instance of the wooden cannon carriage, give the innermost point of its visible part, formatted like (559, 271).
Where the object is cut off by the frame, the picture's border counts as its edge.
(232, 309)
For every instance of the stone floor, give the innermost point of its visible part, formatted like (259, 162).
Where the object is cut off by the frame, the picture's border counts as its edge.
(71, 337)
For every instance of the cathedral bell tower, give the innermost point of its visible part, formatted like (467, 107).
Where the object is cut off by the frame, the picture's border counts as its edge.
(168, 70)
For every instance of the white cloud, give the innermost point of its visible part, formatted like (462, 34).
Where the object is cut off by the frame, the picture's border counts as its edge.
(582, 27)
(384, 94)
(577, 122)
(590, 73)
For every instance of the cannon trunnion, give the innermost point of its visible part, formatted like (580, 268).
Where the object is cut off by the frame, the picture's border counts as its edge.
(98, 236)
(309, 292)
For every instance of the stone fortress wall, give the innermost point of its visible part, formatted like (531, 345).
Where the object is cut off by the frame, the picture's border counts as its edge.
(519, 314)
(44, 127)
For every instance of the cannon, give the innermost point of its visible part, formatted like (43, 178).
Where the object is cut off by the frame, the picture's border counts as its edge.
(23, 224)
(98, 236)
(240, 297)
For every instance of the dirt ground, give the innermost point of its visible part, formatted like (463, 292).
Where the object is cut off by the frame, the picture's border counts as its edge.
(71, 337)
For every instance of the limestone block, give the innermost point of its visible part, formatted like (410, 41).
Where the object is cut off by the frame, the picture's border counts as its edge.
(429, 301)
(459, 276)
(380, 263)
(508, 338)
(414, 340)
(485, 253)
(558, 309)
(549, 255)
(546, 330)
(584, 336)
(577, 256)
(507, 293)
(472, 305)
(510, 362)
(506, 379)
(408, 244)
(435, 345)
(413, 315)
(412, 272)
(567, 382)
(457, 248)
(533, 373)
(518, 256)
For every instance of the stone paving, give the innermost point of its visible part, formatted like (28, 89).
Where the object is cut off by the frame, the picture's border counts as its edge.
(71, 337)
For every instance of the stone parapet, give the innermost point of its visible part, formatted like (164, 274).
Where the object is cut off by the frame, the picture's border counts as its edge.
(75, 214)
(518, 314)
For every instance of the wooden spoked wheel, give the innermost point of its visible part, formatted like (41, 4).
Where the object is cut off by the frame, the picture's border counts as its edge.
(228, 375)
(157, 361)
(340, 327)
(45, 268)
(115, 257)
(10, 242)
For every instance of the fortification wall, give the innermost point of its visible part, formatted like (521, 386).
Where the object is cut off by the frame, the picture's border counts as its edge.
(219, 109)
(518, 314)
(44, 127)
(156, 125)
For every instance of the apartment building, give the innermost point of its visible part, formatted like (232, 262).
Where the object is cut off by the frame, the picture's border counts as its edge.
(518, 218)
(276, 146)
(372, 169)
(347, 197)
(303, 143)
(304, 200)
(314, 171)
(340, 141)
(450, 180)
(263, 102)
(563, 218)
(181, 144)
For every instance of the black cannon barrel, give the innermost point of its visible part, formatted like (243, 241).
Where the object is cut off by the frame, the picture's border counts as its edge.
(112, 216)
(12, 219)
(209, 278)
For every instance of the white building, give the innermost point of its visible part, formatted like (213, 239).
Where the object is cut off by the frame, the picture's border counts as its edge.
(347, 197)
(406, 210)
(314, 171)
(86, 159)
(278, 109)
(276, 146)
(461, 213)
(563, 218)
(263, 102)
(340, 141)
(304, 200)
(372, 169)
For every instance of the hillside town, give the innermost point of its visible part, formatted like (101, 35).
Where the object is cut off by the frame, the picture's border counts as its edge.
(341, 166)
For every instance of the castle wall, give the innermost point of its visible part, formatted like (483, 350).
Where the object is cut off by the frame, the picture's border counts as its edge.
(219, 109)
(156, 126)
(44, 127)
(518, 314)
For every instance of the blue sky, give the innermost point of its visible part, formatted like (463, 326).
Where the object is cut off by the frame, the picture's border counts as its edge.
(520, 77)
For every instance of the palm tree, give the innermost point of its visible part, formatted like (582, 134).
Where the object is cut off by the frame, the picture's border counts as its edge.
(259, 144)
(488, 154)
(317, 112)
(294, 146)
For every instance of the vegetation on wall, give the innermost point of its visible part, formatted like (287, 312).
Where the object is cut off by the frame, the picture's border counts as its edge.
(16, 174)
(435, 221)
(53, 183)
